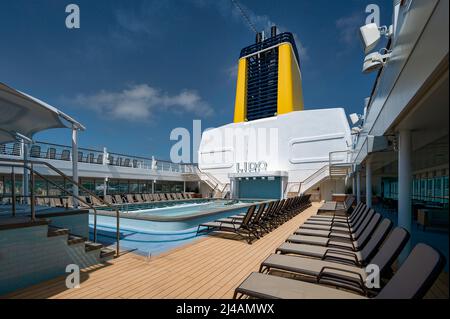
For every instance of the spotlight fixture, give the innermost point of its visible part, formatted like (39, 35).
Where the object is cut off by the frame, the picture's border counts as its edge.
(375, 61)
(355, 118)
(371, 35)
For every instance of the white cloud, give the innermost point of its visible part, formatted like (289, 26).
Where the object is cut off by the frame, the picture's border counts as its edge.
(141, 102)
(348, 28)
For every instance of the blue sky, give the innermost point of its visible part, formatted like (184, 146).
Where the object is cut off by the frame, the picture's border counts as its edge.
(137, 69)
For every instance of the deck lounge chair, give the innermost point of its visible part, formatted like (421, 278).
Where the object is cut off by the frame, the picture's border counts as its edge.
(35, 151)
(95, 201)
(67, 201)
(41, 201)
(118, 199)
(336, 208)
(139, 198)
(351, 277)
(334, 225)
(326, 220)
(239, 218)
(130, 199)
(412, 281)
(244, 229)
(65, 155)
(342, 255)
(350, 244)
(157, 197)
(108, 199)
(55, 202)
(340, 232)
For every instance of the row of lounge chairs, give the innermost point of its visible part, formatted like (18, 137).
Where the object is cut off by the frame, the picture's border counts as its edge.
(337, 208)
(328, 256)
(259, 219)
(112, 199)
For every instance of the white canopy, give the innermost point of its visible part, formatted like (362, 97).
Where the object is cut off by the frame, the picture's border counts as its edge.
(22, 114)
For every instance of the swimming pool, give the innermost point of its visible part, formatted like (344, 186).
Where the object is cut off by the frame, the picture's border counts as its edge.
(183, 215)
(153, 228)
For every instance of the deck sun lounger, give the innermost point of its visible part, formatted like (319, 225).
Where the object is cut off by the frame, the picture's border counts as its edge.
(108, 199)
(55, 202)
(130, 199)
(336, 208)
(412, 281)
(139, 198)
(327, 225)
(341, 219)
(41, 201)
(95, 201)
(340, 232)
(67, 202)
(244, 229)
(357, 258)
(118, 199)
(84, 202)
(347, 276)
(238, 219)
(353, 245)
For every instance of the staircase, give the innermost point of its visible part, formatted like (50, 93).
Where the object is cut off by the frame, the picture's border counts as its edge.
(218, 189)
(102, 253)
(36, 251)
(339, 166)
(314, 179)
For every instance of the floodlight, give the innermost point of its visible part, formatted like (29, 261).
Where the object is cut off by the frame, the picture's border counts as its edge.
(354, 118)
(375, 61)
(371, 35)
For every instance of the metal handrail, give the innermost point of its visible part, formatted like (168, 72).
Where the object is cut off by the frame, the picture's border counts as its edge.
(65, 177)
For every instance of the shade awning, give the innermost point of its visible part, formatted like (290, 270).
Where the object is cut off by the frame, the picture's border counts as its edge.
(23, 114)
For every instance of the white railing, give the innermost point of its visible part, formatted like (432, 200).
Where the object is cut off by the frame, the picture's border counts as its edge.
(218, 188)
(315, 178)
(49, 151)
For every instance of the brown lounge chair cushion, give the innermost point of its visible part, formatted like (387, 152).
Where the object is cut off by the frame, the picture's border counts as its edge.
(313, 267)
(322, 252)
(267, 286)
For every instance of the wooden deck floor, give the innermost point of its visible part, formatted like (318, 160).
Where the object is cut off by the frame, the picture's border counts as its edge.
(211, 267)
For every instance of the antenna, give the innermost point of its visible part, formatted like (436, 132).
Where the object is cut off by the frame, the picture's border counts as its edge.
(245, 16)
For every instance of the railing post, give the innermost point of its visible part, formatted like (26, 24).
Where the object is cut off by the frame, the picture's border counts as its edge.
(95, 225)
(32, 196)
(25, 177)
(75, 165)
(118, 233)
(13, 191)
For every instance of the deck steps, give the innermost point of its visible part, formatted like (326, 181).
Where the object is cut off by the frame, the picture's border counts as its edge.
(91, 246)
(107, 253)
(73, 240)
(53, 232)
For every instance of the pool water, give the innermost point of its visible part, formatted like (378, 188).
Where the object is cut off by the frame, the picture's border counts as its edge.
(182, 209)
(158, 228)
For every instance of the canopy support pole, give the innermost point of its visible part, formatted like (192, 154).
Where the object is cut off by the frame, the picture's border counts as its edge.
(75, 164)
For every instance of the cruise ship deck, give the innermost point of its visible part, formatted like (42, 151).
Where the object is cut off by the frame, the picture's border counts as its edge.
(284, 202)
(208, 268)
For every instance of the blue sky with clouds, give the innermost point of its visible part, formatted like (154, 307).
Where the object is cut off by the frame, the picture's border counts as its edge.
(137, 69)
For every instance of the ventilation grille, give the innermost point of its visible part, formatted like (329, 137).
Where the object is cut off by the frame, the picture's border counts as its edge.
(262, 85)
